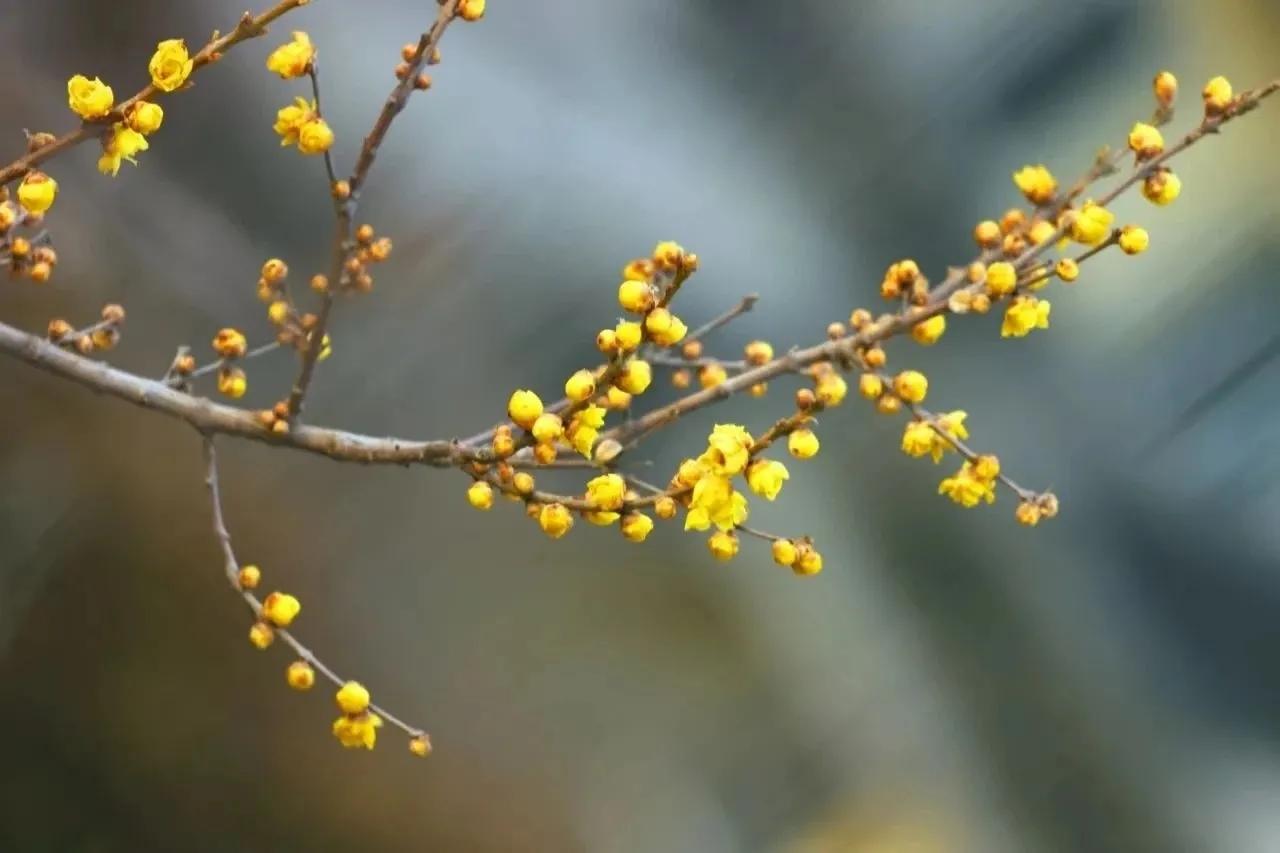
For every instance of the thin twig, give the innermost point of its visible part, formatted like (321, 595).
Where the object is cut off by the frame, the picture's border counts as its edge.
(231, 567)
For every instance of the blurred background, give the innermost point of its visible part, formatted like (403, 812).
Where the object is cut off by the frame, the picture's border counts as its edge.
(950, 682)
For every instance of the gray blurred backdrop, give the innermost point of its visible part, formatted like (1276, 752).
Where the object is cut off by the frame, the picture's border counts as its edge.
(951, 682)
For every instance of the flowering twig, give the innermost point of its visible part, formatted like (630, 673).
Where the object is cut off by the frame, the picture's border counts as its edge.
(249, 26)
(238, 580)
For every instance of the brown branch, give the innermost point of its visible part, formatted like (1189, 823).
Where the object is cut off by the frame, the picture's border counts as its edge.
(249, 26)
(346, 210)
(232, 568)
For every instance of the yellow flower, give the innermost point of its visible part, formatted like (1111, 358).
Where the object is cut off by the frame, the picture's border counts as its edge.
(918, 438)
(292, 59)
(89, 99)
(636, 526)
(627, 335)
(1091, 224)
(1161, 187)
(600, 517)
(930, 330)
(291, 119)
(170, 65)
(584, 429)
(480, 495)
(37, 192)
(870, 386)
(1134, 240)
(315, 137)
(357, 731)
(785, 552)
(555, 520)
(986, 467)
(606, 492)
(1145, 141)
(300, 675)
(635, 377)
(1028, 513)
(831, 389)
(261, 635)
(728, 449)
(524, 408)
(124, 143)
(144, 117)
(280, 609)
(580, 386)
(352, 698)
(911, 386)
(249, 577)
(232, 382)
(809, 562)
(471, 10)
(420, 745)
(664, 328)
(1002, 278)
(765, 477)
(1036, 183)
(617, 399)
(1023, 315)
(803, 443)
(547, 428)
(711, 375)
(636, 296)
(715, 502)
(723, 545)
(230, 343)
(1217, 95)
(1067, 269)
(1165, 87)
(967, 488)
(1042, 231)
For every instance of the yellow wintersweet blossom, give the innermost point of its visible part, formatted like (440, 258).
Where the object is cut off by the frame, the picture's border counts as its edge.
(471, 10)
(1002, 278)
(784, 552)
(524, 408)
(1146, 141)
(144, 117)
(635, 377)
(89, 99)
(627, 335)
(606, 492)
(1023, 315)
(766, 476)
(170, 65)
(1134, 240)
(125, 142)
(580, 386)
(929, 331)
(803, 443)
(911, 386)
(584, 429)
(315, 137)
(920, 438)
(232, 382)
(636, 526)
(37, 192)
(357, 731)
(715, 502)
(728, 449)
(967, 488)
(831, 389)
(635, 295)
(723, 545)
(1161, 187)
(261, 635)
(293, 58)
(1217, 95)
(300, 675)
(480, 495)
(1091, 224)
(352, 698)
(1036, 183)
(291, 119)
(555, 520)
(665, 329)
(280, 609)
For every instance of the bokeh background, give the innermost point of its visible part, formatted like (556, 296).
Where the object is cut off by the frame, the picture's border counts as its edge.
(951, 682)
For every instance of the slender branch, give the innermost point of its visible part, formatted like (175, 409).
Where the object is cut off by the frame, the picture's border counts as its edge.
(249, 26)
(342, 238)
(744, 305)
(231, 567)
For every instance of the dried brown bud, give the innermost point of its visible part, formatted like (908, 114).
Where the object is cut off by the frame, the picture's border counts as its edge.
(113, 313)
(805, 398)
